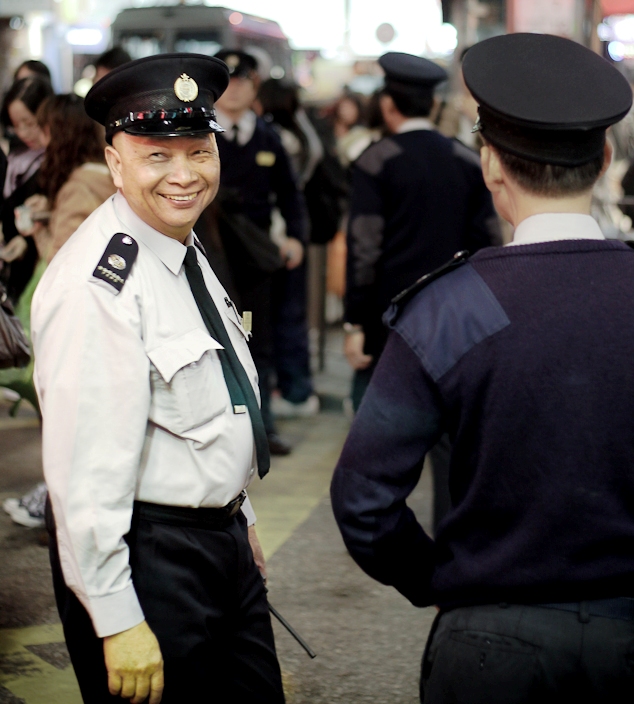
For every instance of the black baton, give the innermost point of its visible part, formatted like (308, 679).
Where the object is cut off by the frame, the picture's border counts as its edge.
(292, 631)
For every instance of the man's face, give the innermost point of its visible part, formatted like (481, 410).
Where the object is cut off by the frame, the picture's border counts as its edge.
(239, 96)
(168, 181)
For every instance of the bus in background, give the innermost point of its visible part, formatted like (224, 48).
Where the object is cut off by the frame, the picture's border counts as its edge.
(144, 31)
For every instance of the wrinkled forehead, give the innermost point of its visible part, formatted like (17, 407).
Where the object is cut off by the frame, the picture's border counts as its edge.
(131, 143)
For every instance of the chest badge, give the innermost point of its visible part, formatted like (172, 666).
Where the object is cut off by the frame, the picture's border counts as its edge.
(265, 158)
(186, 88)
(117, 262)
(247, 320)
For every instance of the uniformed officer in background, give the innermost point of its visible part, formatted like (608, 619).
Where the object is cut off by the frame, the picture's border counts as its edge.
(256, 177)
(151, 425)
(523, 354)
(417, 198)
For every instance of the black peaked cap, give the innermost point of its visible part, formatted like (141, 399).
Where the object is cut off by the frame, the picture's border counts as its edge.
(163, 95)
(545, 98)
(411, 70)
(239, 63)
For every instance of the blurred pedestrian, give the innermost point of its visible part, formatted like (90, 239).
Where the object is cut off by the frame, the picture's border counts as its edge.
(32, 69)
(280, 107)
(152, 430)
(523, 354)
(109, 60)
(21, 181)
(75, 181)
(417, 198)
(256, 177)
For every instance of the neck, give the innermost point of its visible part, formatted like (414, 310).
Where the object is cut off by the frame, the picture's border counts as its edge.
(525, 205)
(234, 115)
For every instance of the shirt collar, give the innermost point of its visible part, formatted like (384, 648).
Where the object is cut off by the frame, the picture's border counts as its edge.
(415, 123)
(551, 227)
(170, 251)
(246, 126)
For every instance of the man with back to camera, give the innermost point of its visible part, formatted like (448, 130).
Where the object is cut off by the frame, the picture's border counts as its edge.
(417, 198)
(256, 177)
(523, 355)
(151, 425)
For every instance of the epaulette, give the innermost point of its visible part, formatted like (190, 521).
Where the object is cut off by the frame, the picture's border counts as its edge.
(116, 262)
(400, 301)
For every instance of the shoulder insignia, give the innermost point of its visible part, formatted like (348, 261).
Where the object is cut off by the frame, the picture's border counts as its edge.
(116, 262)
(400, 301)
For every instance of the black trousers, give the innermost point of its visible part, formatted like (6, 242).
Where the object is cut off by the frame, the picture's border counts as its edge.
(204, 599)
(520, 654)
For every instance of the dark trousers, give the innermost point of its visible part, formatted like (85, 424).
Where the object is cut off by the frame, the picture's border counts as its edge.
(290, 334)
(203, 597)
(521, 654)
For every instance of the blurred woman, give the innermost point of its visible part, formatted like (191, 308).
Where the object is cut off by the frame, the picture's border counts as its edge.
(74, 177)
(75, 181)
(20, 106)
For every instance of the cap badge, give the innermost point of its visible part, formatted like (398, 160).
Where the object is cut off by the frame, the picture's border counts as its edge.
(186, 88)
(117, 262)
(232, 60)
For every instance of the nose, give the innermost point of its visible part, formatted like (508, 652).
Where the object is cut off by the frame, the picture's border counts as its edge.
(181, 173)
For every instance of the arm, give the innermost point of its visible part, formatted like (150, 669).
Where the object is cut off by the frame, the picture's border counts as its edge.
(398, 422)
(92, 377)
(290, 199)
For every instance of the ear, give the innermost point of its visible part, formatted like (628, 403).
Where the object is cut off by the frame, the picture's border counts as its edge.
(387, 106)
(491, 169)
(113, 159)
(608, 151)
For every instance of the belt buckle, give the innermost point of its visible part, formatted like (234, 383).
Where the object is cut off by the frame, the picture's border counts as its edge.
(235, 505)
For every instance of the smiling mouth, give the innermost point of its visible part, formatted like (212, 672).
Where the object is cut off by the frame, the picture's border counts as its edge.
(180, 199)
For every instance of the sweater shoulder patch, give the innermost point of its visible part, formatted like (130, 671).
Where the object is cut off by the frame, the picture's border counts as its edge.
(448, 318)
(116, 262)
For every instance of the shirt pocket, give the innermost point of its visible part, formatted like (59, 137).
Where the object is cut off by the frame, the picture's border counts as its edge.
(187, 382)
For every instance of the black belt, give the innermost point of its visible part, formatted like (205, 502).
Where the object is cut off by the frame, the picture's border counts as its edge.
(210, 518)
(621, 608)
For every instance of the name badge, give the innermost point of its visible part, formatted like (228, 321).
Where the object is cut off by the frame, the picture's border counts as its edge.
(265, 158)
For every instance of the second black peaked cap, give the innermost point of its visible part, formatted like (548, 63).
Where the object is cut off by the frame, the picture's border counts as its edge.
(168, 95)
(410, 70)
(545, 98)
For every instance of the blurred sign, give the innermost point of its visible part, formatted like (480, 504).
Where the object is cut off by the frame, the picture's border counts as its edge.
(617, 7)
(385, 33)
(546, 16)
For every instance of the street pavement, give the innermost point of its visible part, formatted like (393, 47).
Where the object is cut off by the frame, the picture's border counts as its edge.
(368, 639)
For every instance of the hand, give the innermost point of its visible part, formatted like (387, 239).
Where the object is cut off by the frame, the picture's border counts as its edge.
(353, 349)
(258, 554)
(37, 203)
(14, 249)
(292, 252)
(135, 664)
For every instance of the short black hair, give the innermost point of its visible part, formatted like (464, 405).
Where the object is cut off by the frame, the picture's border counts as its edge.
(551, 180)
(113, 58)
(37, 67)
(411, 103)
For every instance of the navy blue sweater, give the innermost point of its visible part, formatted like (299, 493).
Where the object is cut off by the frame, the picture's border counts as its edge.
(525, 355)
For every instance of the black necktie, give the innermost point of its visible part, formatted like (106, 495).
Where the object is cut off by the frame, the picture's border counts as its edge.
(235, 129)
(240, 390)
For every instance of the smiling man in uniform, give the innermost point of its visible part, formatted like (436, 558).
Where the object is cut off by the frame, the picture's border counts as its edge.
(152, 429)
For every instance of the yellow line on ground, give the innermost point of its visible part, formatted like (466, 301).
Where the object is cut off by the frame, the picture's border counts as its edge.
(29, 677)
(282, 502)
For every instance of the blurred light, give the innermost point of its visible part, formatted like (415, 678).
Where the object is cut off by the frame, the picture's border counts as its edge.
(604, 32)
(82, 87)
(84, 37)
(623, 29)
(444, 40)
(16, 22)
(385, 33)
(277, 72)
(616, 50)
(35, 36)
(235, 18)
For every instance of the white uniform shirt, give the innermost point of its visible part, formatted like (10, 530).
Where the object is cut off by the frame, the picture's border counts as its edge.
(134, 403)
(552, 227)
